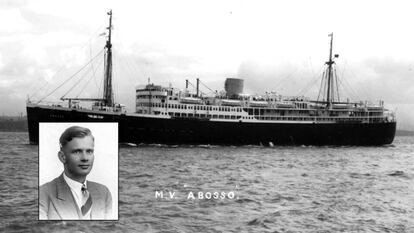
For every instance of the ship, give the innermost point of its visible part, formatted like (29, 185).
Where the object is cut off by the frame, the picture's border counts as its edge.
(167, 115)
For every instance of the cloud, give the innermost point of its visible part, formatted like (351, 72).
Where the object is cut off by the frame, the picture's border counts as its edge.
(13, 21)
(12, 4)
(387, 78)
(272, 45)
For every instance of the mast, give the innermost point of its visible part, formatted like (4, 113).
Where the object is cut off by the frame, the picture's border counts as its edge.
(108, 95)
(198, 85)
(329, 95)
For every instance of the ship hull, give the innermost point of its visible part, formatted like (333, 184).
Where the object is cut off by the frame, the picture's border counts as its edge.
(143, 129)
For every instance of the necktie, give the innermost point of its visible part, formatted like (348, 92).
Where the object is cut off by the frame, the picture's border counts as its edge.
(86, 200)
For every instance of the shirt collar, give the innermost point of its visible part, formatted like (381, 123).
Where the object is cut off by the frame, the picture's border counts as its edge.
(73, 184)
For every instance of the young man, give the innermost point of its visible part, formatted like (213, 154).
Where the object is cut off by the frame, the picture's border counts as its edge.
(70, 196)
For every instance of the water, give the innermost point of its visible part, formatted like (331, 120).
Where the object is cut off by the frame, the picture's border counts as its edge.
(279, 189)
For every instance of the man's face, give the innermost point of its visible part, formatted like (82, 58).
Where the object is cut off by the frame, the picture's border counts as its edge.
(77, 156)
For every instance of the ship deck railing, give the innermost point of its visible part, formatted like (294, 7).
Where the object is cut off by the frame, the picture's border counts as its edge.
(289, 118)
(364, 119)
(62, 105)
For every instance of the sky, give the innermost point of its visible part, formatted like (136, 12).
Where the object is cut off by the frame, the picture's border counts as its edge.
(273, 45)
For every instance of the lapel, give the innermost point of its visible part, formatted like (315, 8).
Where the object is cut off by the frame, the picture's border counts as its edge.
(65, 203)
(95, 194)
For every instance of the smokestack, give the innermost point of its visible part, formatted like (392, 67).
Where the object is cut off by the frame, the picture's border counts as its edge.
(233, 87)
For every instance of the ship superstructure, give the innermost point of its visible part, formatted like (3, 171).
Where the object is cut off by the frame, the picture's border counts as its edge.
(270, 107)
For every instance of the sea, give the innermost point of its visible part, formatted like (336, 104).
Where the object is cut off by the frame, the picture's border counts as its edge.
(207, 188)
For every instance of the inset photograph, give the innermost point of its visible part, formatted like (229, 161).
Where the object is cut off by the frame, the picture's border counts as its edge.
(78, 171)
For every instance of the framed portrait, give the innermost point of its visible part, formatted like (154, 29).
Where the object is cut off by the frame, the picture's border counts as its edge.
(78, 171)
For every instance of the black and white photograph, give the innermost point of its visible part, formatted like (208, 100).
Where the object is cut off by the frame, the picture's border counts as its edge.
(206, 116)
(78, 171)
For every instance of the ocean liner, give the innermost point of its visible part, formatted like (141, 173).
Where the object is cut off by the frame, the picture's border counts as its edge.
(167, 115)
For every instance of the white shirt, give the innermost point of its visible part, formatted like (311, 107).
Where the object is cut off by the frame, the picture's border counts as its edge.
(76, 189)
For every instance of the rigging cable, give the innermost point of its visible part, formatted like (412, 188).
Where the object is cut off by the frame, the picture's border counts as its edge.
(320, 88)
(191, 84)
(309, 84)
(346, 85)
(93, 35)
(70, 77)
(114, 80)
(350, 91)
(78, 82)
(207, 87)
(362, 89)
(93, 76)
(286, 78)
(90, 55)
(336, 82)
(80, 79)
(43, 86)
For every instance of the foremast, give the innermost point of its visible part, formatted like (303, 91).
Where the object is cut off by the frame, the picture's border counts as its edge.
(107, 93)
(108, 97)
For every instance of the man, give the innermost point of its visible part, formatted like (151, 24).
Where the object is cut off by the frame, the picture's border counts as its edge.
(70, 196)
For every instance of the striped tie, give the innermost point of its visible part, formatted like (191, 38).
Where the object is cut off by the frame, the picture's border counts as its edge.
(86, 200)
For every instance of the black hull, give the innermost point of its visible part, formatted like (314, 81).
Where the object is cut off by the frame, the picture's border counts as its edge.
(137, 129)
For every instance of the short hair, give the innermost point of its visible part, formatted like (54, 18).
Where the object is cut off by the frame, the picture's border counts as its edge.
(74, 132)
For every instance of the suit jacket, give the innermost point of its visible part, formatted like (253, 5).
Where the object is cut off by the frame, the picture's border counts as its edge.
(56, 201)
